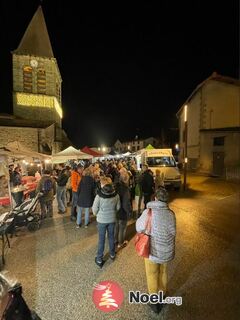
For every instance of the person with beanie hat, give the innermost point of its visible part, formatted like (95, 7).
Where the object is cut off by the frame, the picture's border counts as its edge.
(162, 242)
(105, 206)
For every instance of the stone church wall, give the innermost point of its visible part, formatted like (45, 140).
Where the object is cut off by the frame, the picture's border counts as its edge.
(28, 137)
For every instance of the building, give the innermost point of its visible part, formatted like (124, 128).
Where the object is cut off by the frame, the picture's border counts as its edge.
(213, 126)
(37, 100)
(134, 145)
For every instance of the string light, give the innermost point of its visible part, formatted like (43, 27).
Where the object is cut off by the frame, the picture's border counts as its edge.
(37, 100)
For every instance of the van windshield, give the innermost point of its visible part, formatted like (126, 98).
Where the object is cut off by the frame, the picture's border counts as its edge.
(161, 162)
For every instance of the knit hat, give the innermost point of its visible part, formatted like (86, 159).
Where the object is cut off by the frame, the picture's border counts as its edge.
(161, 194)
(108, 189)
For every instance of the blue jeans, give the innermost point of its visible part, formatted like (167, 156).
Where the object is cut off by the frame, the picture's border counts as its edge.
(102, 228)
(61, 198)
(74, 203)
(79, 215)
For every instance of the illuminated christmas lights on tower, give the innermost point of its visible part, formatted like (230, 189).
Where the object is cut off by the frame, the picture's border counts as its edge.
(36, 77)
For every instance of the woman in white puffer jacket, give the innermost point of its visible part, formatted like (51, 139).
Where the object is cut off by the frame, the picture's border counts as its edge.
(162, 242)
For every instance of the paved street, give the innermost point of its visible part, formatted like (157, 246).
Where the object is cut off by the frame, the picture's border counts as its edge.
(56, 264)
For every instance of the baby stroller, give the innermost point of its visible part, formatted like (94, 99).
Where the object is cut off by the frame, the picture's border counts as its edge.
(27, 214)
(12, 304)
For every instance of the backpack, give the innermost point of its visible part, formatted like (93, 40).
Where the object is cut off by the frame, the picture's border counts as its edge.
(47, 186)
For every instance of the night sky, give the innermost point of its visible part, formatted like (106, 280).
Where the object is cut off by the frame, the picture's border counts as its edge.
(126, 67)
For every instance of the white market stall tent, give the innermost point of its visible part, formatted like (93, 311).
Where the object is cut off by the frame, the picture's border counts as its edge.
(70, 153)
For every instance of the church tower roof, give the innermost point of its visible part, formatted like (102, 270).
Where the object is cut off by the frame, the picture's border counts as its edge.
(36, 39)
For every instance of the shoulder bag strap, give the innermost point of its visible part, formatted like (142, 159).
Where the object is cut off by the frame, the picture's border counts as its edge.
(148, 221)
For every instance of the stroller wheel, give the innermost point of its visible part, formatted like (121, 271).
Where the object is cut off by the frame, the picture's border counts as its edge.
(33, 226)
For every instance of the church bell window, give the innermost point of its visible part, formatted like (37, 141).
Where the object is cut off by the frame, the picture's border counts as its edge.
(41, 81)
(27, 79)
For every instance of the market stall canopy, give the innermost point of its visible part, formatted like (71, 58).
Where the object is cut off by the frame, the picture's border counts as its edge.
(91, 152)
(69, 153)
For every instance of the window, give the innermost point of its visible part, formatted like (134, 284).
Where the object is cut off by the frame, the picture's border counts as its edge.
(161, 162)
(133, 149)
(27, 79)
(41, 81)
(218, 141)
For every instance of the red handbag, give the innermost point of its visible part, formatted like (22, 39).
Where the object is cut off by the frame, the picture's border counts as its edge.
(142, 240)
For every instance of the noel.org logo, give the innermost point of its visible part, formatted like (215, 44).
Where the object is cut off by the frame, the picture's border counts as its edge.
(107, 296)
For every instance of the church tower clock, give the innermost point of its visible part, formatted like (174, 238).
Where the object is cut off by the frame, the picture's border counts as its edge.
(36, 77)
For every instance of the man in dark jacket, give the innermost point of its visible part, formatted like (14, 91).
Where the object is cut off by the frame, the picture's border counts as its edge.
(47, 186)
(124, 213)
(147, 185)
(86, 193)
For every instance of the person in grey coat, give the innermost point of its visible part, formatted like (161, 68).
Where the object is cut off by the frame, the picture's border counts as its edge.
(162, 242)
(105, 207)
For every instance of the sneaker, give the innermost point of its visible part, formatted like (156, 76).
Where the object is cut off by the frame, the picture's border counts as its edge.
(119, 246)
(78, 226)
(112, 257)
(86, 226)
(99, 263)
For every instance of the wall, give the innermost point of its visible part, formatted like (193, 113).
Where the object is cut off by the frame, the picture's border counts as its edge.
(231, 149)
(28, 137)
(47, 137)
(222, 105)
(193, 122)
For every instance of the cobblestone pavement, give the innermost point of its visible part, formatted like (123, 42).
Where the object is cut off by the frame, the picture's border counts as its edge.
(56, 264)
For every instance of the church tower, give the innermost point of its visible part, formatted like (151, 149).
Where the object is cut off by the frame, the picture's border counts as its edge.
(36, 77)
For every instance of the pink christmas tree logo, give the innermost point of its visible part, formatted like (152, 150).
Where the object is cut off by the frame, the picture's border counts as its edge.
(108, 296)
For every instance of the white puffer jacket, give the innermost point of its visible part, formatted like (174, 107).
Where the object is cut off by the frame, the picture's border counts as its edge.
(163, 231)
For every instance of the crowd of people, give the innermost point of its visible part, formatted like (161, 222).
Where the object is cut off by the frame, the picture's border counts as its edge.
(108, 189)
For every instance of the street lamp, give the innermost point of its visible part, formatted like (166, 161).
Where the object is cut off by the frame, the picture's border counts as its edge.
(185, 148)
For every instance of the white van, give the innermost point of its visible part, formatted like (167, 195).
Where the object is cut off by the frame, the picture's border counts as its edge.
(163, 160)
